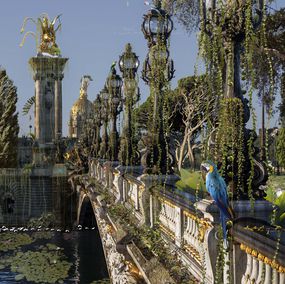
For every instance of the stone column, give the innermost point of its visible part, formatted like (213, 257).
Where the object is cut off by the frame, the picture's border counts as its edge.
(58, 106)
(48, 74)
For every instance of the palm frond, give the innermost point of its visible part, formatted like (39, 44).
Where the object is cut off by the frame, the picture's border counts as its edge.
(28, 105)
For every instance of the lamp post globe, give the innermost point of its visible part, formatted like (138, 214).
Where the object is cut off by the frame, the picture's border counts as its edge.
(157, 25)
(129, 62)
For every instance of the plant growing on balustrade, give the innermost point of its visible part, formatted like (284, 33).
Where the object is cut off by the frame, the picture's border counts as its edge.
(129, 64)
(157, 72)
(113, 85)
(150, 242)
(226, 43)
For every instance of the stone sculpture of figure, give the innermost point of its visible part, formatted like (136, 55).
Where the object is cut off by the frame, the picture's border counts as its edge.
(47, 34)
(85, 81)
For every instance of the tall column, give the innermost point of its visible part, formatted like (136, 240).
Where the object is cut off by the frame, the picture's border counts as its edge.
(58, 106)
(48, 75)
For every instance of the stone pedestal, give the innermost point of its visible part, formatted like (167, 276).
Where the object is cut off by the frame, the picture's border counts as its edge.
(260, 210)
(149, 201)
(254, 214)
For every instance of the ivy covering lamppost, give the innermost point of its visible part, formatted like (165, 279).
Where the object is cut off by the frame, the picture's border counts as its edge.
(227, 29)
(104, 98)
(157, 72)
(98, 123)
(129, 64)
(114, 84)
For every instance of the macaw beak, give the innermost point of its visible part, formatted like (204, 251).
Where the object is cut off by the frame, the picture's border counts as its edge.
(205, 168)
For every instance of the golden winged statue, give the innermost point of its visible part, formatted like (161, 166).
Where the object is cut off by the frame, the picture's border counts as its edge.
(46, 32)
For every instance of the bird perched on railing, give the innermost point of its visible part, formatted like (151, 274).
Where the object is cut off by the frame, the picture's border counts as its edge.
(217, 188)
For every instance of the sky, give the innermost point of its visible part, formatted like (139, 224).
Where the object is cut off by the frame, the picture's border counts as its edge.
(94, 34)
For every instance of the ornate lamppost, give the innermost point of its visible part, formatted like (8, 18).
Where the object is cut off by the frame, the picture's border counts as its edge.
(114, 84)
(234, 19)
(97, 122)
(104, 98)
(157, 72)
(129, 64)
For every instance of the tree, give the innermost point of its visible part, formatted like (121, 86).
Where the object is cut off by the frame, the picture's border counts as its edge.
(9, 127)
(196, 111)
(187, 108)
(185, 11)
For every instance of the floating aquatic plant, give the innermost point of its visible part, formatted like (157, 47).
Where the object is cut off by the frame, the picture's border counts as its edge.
(10, 240)
(48, 265)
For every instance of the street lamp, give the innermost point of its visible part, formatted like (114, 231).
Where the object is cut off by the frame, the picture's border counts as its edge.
(129, 64)
(114, 84)
(104, 99)
(231, 18)
(157, 25)
(157, 71)
(158, 56)
(98, 122)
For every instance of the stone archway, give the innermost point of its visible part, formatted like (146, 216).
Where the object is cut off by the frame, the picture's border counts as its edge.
(86, 216)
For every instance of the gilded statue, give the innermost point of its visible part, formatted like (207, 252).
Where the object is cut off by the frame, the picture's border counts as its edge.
(46, 32)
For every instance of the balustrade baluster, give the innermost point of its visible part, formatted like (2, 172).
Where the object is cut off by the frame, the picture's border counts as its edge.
(247, 273)
(268, 278)
(261, 272)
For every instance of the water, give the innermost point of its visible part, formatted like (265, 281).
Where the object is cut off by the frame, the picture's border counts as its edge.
(82, 248)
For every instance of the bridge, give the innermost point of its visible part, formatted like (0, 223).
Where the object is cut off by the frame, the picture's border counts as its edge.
(186, 225)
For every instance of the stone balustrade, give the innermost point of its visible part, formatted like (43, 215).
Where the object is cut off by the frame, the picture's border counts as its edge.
(190, 225)
(261, 269)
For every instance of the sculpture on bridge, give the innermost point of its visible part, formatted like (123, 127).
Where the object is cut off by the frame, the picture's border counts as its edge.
(46, 31)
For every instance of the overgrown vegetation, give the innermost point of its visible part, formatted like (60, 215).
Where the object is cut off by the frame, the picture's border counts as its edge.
(151, 243)
(9, 127)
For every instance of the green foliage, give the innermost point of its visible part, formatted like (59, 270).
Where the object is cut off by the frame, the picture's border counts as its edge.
(280, 147)
(190, 181)
(272, 185)
(46, 220)
(185, 11)
(28, 105)
(280, 202)
(150, 242)
(9, 127)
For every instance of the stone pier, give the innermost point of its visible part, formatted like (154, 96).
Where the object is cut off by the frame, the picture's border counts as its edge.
(48, 75)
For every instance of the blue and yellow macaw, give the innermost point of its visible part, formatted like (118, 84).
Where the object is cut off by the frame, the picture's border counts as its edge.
(217, 188)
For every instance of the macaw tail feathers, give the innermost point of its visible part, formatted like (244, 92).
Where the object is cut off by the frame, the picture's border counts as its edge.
(224, 226)
(226, 210)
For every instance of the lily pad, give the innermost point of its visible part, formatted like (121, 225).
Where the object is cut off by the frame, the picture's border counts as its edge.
(19, 277)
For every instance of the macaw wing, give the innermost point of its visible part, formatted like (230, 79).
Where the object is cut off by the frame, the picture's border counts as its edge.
(225, 209)
(218, 192)
(213, 187)
(224, 197)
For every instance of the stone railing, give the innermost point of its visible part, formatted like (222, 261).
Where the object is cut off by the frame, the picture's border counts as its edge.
(265, 255)
(189, 225)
